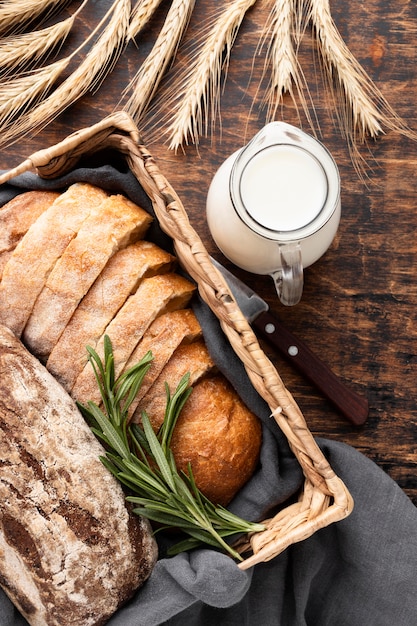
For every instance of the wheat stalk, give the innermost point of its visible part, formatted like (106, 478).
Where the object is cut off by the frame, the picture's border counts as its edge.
(98, 62)
(140, 16)
(18, 53)
(102, 58)
(199, 88)
(362, 109)
(282, 30)
(146, 81)
(19, 94)
(284, 67)
(15, 15)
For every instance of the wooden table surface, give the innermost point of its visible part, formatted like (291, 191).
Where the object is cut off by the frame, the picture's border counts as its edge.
(359, 303)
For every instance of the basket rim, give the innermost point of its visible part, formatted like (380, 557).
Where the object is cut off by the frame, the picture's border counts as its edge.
(325, 498)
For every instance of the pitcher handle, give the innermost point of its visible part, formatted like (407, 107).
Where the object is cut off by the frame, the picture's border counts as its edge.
(289, 279)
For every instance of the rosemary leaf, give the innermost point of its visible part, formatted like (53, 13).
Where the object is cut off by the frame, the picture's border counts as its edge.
(108, 374)
(183, 546)
(165, 518)
(114, 438)
(163, 513)
(213, 539)
(130, 381)
(98, 370)
(139, 441)
(157, 452)
(113, 469)
(147, 480)
(235, 521)
(173, 410)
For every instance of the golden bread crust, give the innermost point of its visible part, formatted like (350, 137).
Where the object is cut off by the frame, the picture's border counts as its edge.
(154, 296)
(32, 260)
(219, 437)
(118, 280)
(192, 358)
(111, 225)
(16, 217)
(162, 338)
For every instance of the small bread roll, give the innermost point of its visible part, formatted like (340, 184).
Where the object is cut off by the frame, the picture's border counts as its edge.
(219, 437)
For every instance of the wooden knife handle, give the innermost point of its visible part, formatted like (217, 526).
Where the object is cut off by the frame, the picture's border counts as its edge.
(353, 406)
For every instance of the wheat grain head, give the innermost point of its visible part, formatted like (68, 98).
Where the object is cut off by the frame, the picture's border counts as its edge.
(362, 110)
(146, 81)
(196, 93)
(281, 36)
(15, 15)
(140, 16)
(19, 53)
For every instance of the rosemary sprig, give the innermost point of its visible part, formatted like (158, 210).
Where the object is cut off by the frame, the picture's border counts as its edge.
(143, 462)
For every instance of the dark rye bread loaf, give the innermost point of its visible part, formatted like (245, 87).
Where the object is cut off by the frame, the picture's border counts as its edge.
(70, 551)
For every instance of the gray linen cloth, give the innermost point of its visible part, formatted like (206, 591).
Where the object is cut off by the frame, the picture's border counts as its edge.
(361, 571)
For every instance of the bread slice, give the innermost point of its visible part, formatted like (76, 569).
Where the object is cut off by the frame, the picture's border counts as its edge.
(162, 338)
(155, 296)
(192, 358)
(17, 215)
(28, 268)
(112, 225)
(118, 280)
(71, 552)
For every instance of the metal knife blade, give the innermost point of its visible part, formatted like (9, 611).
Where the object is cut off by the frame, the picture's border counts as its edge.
(352, 405)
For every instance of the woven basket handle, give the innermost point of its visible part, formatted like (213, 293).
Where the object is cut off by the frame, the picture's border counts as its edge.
(62, 157)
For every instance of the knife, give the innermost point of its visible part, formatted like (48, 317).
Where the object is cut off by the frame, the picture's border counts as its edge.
(352, 405)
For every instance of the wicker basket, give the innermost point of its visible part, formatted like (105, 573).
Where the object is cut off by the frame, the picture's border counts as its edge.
(324, 498)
